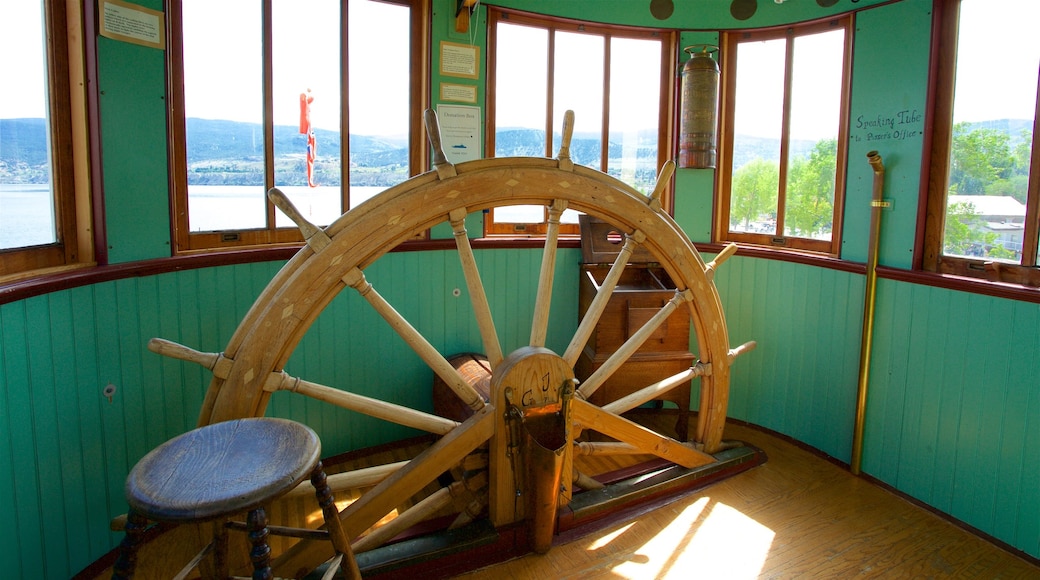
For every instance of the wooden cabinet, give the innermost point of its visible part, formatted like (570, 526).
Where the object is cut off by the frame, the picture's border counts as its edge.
(640, 293)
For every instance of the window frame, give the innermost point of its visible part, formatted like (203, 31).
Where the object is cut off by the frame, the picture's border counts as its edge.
(666, 108)
(724, 170)
(946, 18)
(186, 241)
(65, 62)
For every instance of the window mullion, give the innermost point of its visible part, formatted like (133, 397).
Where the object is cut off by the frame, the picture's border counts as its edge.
(549, 94)
(268, 84)
(344, 107)
(785, 135)
(604, 155)
(1032, 220)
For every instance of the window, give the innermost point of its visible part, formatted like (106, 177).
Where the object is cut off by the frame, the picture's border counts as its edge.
(616, 80)
(983, 204)
(267, 100)
(782, 154)
(38, 221)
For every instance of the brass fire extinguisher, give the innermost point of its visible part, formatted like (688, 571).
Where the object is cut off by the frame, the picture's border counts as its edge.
(700, 97)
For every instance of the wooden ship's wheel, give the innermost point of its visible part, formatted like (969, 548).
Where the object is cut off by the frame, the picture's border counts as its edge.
(533, 390)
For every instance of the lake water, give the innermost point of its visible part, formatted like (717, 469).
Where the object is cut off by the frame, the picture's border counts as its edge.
(223, 207)
(26, 216)
(27, 219)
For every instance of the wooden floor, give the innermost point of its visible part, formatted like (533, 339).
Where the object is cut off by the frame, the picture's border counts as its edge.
(796, 516)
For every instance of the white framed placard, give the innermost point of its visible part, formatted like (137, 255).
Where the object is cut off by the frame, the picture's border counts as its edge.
(132, 23)
(460, 132)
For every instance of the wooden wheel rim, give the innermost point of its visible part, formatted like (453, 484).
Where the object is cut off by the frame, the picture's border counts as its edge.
(284, 311)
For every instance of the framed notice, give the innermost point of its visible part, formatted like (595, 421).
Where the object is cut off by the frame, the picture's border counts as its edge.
(460, 132)
(460, 60)
(459, 93)
(132, 23)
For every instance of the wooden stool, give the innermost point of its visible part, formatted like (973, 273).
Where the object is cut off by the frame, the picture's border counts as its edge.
(213, 472)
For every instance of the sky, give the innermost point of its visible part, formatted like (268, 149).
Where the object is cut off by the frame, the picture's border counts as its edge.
(21, 34)
(306, 44)
(1003, 49)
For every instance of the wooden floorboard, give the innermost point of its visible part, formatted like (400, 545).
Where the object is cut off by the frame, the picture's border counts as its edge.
(796, 516)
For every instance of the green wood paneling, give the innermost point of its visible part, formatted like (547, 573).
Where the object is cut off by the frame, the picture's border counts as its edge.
(801, 379)
(951, 419)
(951, 415)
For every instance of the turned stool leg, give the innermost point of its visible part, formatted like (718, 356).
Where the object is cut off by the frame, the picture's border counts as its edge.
(256, 524)
(135, 526)
(332, 522)
(220, 549)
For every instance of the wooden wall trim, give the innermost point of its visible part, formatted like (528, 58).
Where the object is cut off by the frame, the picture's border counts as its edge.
(22, 289)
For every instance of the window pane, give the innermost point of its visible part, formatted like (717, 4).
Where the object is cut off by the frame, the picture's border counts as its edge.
(815, 116)
(520, 104)
(519, 214)
(758, 124)
(578, 86)
(635, 102)
(26, 191)
(223, 96)
(306, 98)
(379, 36)
(994, 107)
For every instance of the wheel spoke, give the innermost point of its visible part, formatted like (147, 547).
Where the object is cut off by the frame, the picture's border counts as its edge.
(632, 344)
(540, 323)
(372, 407)
(599, 303)
(646, 441)
(648, 393)
(436, 361)
(481, 308)
(403, 483)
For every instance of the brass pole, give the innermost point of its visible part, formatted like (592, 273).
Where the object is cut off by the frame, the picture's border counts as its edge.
(869, 301)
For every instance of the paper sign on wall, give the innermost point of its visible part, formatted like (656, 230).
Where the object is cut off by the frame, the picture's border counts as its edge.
(132, 23)
(460, 132)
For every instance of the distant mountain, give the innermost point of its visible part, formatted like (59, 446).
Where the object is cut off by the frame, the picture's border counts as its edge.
(23, 151)
(210, 140)
(228, 152)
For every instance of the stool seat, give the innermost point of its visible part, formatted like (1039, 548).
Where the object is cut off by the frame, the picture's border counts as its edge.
(222, 469)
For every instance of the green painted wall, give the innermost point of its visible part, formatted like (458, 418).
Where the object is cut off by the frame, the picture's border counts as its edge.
(801, 379)
(132, 97)
(889, 93)
(953, 417)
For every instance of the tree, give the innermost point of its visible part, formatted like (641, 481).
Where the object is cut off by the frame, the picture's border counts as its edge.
(983, 161)
(978, 158)
(809, 210)
(754, 192)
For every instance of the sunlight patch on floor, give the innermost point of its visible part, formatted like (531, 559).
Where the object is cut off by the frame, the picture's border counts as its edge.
(606, 539)
(710, 538)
